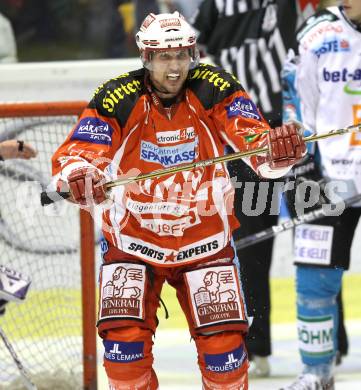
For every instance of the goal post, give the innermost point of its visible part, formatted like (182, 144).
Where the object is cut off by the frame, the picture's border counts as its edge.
(53, 331)
(88, 300)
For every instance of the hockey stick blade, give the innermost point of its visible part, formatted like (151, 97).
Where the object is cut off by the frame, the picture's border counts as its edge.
(289, 224)
(51, 197)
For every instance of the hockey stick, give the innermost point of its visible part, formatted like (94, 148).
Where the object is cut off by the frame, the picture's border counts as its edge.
(24, 374)
(51, 197)
(270, 232)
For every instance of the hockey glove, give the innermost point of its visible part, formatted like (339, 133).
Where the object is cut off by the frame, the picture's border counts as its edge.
(87, 186)
(286, 146)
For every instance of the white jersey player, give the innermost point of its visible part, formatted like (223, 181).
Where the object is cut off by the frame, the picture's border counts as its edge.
(329, 84)
(328, 81)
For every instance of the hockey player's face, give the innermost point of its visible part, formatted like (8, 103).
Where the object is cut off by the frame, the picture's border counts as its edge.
(169, 71)
(353, 9)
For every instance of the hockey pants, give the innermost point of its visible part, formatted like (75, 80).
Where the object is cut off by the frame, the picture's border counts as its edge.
(128, 342)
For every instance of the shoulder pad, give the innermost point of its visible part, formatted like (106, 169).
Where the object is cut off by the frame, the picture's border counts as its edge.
(212, 84)
(319, 17)
(117, 97)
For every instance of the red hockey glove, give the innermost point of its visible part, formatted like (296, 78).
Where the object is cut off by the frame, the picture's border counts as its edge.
(286, 146)
(87, 185)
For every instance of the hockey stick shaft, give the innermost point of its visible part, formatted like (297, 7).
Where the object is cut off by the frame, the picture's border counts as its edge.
(24, 374)
(289, 224)
(51, 197)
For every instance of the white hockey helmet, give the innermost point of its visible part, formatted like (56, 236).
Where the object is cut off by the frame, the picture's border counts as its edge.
(164, 32)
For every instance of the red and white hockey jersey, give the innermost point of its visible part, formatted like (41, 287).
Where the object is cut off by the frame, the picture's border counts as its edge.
(182, 217)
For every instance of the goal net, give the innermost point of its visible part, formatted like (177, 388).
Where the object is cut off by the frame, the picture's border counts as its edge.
(45, 330)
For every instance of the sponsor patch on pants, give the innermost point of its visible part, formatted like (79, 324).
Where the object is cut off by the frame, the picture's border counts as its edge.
(123, 352)
(214, 295)
(122, 291)
(227, 361)
(313, 244)
(315, 335)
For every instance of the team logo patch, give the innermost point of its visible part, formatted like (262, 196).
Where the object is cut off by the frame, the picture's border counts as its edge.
(225, 362)
(123, 352)
(215, 295)
(94, 130)
(243, 107)
(122, 291)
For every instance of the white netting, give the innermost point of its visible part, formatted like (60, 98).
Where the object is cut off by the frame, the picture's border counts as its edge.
(42, 243)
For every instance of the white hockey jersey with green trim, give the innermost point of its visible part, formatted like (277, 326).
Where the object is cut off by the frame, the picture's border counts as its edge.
(328, 81)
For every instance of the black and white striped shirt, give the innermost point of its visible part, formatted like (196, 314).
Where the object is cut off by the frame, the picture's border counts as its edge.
(250, 38)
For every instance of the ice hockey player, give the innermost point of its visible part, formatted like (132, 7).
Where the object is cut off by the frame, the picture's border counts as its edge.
(328, 81)
(176, 228)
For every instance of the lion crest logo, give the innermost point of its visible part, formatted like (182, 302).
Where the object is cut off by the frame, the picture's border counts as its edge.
(117, 287)
(215, 289)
